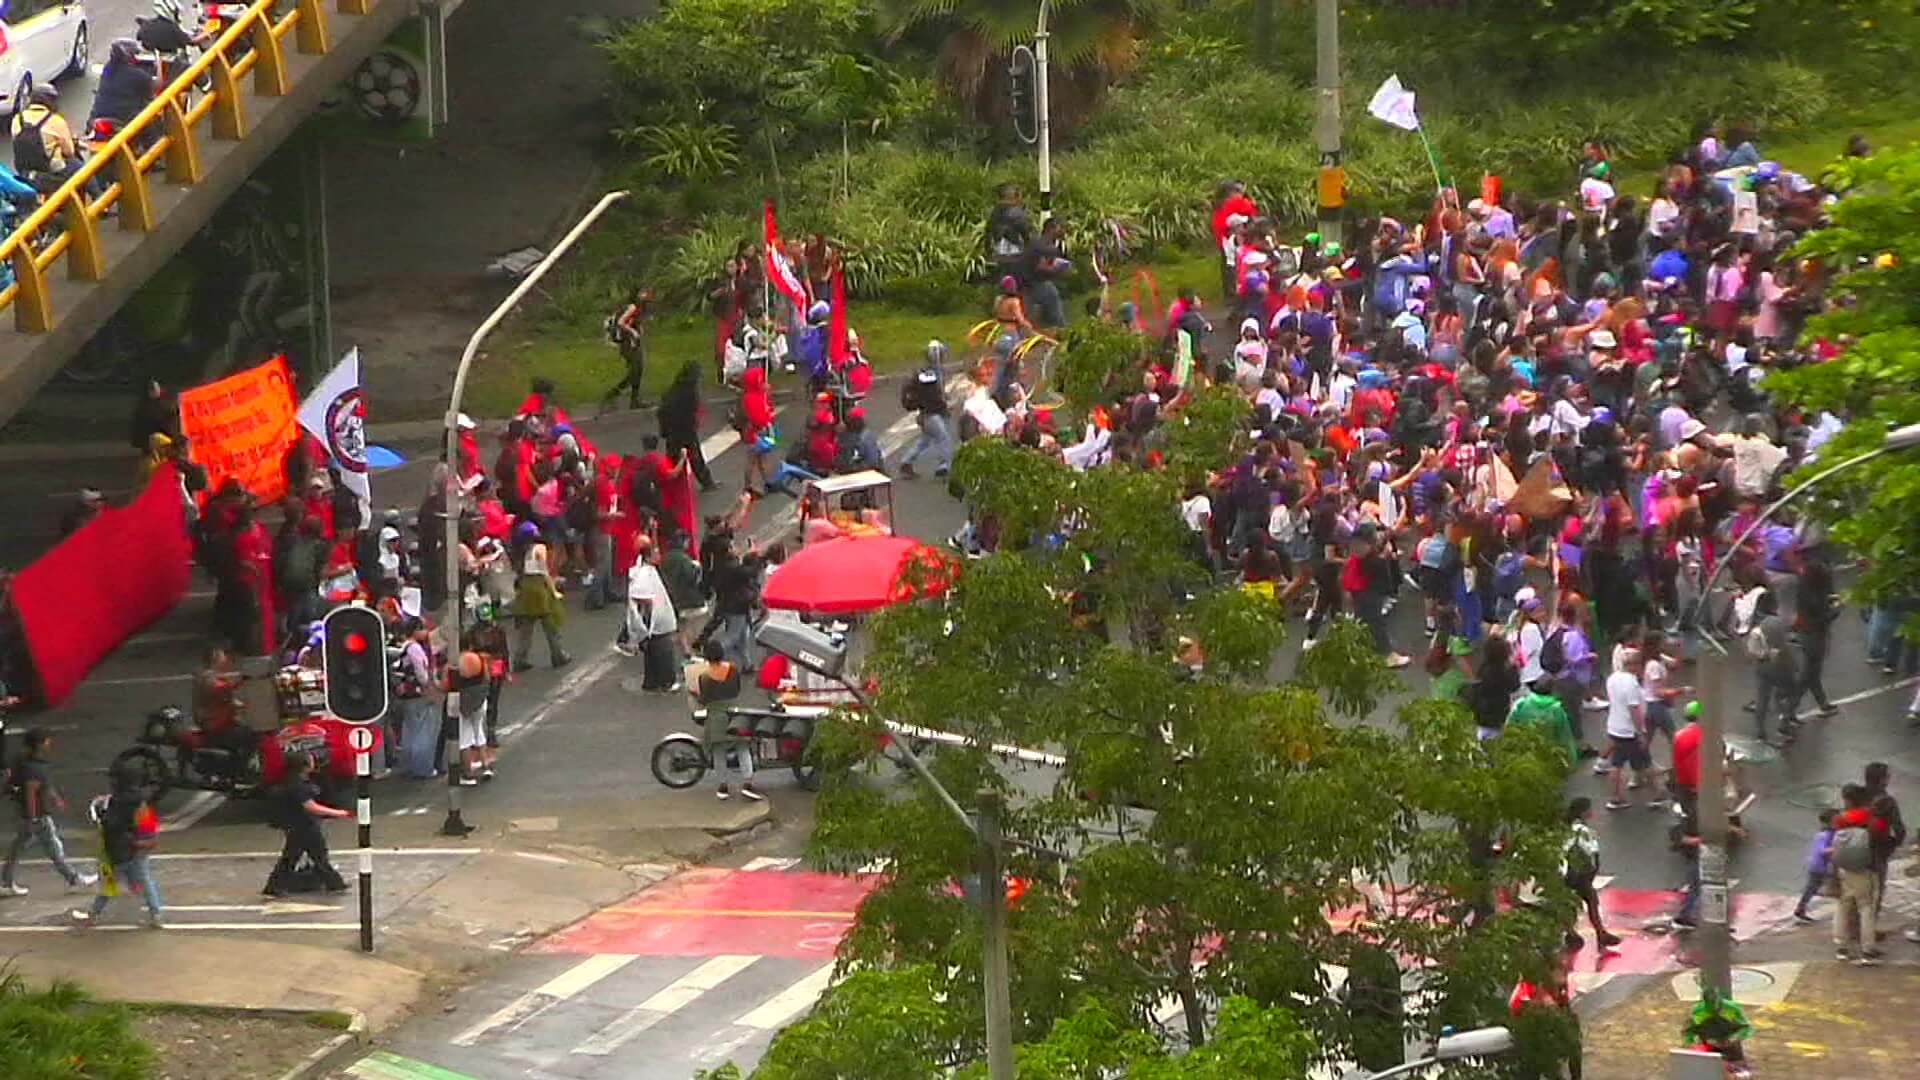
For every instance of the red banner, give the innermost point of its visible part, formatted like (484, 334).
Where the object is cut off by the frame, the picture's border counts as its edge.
(104, 584)
(839, 349)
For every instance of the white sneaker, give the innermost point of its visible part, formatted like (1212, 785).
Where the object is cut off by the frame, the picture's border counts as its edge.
(1308, 644)
(155, 922)
(13, 890)
(1594, 704)
(82, 916)
(1398, 660)
(84, 881)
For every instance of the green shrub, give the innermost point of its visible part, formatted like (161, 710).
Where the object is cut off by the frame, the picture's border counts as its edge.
(60, 1033)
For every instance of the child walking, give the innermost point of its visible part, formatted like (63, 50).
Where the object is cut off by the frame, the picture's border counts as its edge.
(1819, 867)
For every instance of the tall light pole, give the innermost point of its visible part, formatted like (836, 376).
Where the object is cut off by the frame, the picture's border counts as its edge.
(1043, 122)
(1326, 129)
(450, 540)
(1716, 959)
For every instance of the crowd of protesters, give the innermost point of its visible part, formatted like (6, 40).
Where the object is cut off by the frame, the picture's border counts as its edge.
(1546, 422)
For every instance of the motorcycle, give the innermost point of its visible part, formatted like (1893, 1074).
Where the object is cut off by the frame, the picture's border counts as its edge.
(172, 751)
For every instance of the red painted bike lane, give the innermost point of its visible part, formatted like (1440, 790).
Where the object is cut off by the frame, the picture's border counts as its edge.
(713, 912)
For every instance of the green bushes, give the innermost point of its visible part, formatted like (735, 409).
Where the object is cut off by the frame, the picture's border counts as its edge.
(59, 1033)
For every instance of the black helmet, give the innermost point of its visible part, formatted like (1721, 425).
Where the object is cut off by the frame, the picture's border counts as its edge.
(44, 95)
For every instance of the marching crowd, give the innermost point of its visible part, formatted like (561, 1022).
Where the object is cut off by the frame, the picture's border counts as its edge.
(1546, 423)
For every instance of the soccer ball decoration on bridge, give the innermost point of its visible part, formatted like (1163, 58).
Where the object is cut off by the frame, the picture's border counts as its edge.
(387, 88)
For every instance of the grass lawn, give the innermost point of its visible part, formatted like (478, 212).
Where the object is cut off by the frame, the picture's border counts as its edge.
(582, 364)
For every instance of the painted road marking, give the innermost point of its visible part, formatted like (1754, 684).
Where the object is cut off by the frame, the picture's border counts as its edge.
(196, 808)
(142, 680)
(173, 926)
(384, 1065)
(577, 682)
(798, 914)
(682, 992)
(1863, 695)
(185, 856)
(781, 1008)
(765, 863)
(554, 991)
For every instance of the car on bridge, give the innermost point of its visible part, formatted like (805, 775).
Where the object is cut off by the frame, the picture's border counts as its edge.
(41, 42)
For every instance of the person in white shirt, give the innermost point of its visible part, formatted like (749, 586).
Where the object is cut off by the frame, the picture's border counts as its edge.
(1627, 728)
(1528, 638)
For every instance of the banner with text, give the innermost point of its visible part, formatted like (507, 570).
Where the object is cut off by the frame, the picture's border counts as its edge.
(242, 427)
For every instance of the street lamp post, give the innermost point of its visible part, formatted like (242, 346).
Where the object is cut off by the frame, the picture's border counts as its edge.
(450, 540)
(1326, 129)
(1480, 1042)
(1044, 122)
(1716, 961)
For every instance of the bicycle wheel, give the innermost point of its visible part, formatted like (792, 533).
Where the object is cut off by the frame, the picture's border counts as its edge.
(679, 761)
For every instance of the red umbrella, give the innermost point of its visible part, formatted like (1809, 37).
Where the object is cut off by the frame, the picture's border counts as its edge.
(858, 573)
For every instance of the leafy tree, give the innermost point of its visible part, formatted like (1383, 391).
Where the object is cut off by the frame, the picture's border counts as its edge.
(1091, 43)
(1225, 837)
(1872, 249)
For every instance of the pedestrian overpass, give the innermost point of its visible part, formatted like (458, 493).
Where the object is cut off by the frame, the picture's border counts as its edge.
(147, 191)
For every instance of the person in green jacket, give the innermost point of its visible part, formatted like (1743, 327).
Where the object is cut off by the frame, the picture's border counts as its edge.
(1540, 708)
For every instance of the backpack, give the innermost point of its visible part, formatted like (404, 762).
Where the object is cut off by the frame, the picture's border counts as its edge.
(1757, 645)
(1553, 652)
(404, 683)
(1852, 848)
(1283, 264)
(30, 148)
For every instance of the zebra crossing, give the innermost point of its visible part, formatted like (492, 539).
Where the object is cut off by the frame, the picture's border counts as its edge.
(702, 968)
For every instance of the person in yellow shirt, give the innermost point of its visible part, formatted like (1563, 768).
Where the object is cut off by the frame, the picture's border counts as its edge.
(57, 152)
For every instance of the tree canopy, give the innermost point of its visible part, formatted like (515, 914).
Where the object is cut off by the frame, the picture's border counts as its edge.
(1217, 838)
(1872, 250)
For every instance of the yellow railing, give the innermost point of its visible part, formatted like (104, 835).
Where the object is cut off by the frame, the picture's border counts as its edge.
(178, 144)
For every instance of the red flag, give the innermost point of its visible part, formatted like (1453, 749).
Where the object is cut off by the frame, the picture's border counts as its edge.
(839, 350)
(779, 270)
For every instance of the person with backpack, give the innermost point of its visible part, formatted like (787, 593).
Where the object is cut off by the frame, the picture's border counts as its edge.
(1856, 829)
(44, 150)
(129, 830)
(1776, 673)
(627, 331)
(925, 395)
(30, 786)
(299, 812)
(1580, 867)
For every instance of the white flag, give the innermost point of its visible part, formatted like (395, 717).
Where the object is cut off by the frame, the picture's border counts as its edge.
(336, 414)
(1394, 104)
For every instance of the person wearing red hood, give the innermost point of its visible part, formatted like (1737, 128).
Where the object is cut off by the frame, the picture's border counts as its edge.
(823, 442)
(513, 469)
(1233, 203)
(618, 522)
(754, 420)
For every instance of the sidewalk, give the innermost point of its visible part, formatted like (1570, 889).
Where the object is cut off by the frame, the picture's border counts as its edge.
(1836, 1022)
(528, 876)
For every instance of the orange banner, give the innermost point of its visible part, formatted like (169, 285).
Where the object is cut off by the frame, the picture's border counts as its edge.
(242, 426)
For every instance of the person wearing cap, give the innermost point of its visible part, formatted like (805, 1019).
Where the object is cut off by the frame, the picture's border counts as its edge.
(1627, 727)
(925, 396)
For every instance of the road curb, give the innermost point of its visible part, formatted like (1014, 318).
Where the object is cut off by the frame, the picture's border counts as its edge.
(336, 1050)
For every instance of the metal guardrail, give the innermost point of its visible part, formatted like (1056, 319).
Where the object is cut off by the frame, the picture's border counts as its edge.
(130, 194)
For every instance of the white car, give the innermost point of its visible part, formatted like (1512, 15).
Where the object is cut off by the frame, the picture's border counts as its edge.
(41, 41)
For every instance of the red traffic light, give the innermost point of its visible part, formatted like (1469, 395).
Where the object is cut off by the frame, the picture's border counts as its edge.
(355, 642)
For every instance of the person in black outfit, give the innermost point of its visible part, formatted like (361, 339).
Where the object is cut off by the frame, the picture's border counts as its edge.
(300, 810)
(126, 85)
(1815, 607)
(679, 415)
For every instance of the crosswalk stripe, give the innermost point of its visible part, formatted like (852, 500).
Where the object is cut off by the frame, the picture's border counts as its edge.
(777, 1010)
(557, 989)
(766, 863)
(681, 993)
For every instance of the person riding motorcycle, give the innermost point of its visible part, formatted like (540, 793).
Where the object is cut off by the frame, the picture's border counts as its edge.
(126, 85)
(166, 32)
(44, 150)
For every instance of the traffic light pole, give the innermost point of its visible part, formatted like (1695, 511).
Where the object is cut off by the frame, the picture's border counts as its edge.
(455, 825)
(994, 968)
(363, 810)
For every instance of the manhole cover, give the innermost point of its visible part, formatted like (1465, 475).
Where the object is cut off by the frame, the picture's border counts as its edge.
(1818, 796)
(1752, 751)
(1746, 981)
